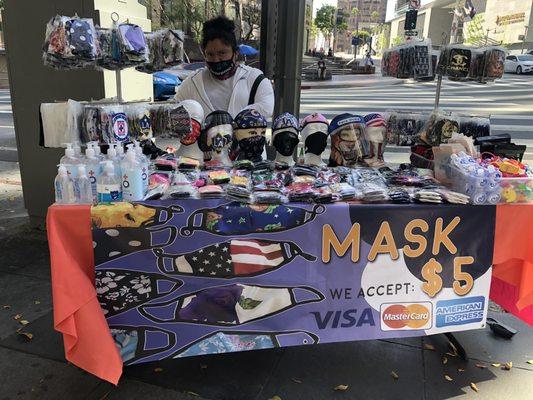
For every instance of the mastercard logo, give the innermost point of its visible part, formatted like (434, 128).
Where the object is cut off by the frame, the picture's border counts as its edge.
(406, 316)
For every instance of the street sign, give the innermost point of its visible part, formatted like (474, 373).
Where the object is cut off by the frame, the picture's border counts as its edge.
(411, 33)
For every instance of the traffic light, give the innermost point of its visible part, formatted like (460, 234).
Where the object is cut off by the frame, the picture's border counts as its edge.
(410, 20)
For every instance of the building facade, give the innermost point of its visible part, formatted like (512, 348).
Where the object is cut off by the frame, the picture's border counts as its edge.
(371, 13)
(503, 22)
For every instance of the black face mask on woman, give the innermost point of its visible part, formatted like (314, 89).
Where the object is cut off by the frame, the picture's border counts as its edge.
(222, 69)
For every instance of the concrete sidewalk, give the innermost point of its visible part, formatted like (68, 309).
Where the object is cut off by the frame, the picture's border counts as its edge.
(36, 368)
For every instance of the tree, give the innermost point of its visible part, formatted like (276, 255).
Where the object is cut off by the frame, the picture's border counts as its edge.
(325, 21)
(475, 30)
(398, 40)
(251, 17)
(375, 16)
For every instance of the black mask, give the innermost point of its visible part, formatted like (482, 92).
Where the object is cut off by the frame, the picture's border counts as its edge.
(316, 143)
(252, 148)
(285, 143)
(222, 69)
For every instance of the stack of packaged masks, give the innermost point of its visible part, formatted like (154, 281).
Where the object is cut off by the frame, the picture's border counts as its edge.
(409, 61)
(75, 43)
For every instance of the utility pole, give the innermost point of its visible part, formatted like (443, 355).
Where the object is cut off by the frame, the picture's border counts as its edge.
(487, 37)
(524, 39)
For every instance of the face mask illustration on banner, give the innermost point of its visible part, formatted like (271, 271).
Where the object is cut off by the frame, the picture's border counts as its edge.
(231, 304)
(136, 343)
(113, 243)
(240, 219)
(232, 341)
(246, 257)
(121, 290)
(131, 215)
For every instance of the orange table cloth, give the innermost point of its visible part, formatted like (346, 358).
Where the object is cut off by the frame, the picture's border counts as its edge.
(88, 342)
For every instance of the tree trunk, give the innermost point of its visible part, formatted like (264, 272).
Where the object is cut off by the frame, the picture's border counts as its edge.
(223, 7)
(238, 19)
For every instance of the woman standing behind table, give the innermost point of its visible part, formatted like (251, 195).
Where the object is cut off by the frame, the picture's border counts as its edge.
(223, 84)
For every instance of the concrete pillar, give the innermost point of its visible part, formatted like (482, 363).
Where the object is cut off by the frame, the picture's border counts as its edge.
(32, 83)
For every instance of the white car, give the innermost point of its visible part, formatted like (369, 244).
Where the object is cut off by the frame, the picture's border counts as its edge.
(521, 64)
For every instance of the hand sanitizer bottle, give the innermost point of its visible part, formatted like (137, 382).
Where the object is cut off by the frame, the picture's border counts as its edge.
(109, 188)
(132, 182)
(82, 187)
(64, 187)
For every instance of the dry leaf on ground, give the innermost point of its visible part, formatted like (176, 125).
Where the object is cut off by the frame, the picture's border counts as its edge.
(428, 346)
(507, 366)
(497, 365)
(23, 322)
(451, 354)
(17, 317)
(474, 387)
(395, 375)
(6, 307)
(445, 360)
(460, 369)
(158, 369)
(36, 302)
(197, 395)
(448, 378)
(482, 366)
(275, 398)
(296, 380)
(341, 388)
(27, 335)
(530, 362)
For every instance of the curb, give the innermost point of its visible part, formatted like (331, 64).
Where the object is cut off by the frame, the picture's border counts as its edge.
(345, 85)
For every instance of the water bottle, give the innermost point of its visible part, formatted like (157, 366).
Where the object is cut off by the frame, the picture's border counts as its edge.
(82, 187)
(119, 147)
(97, 150)
(132, 182)
(112, 156)
(109, 188)
(64, 187)
(94, 169)
(70, 161)
(145, 164)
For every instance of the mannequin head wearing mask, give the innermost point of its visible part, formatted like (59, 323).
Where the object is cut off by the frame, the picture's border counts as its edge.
(219, 46)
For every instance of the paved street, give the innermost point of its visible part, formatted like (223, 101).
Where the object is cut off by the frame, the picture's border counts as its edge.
(509, 102)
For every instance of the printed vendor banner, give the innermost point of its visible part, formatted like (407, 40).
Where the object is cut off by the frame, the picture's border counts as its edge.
(211, 276)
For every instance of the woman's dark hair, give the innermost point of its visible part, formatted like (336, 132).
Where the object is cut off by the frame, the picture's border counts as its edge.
(219, 28)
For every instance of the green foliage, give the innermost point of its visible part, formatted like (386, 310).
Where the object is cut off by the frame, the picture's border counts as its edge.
(343, 27)
(398, 40)
(355, 11)
(375, 15)
(475, 30)
(362, 33)
(325, 20)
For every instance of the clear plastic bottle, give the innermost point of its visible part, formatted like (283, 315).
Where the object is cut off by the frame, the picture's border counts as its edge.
(144, 163)
(77, 151)
(109, 187)
(94, 170)
(70, 161)
(119, 147)
(82, 187)
(132, 182)
(113, 157)
(64, 186)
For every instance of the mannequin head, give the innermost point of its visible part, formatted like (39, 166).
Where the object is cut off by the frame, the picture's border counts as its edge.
(217, 136)
(348, 145)
(285, 129)
(375, 133)
(250, 129)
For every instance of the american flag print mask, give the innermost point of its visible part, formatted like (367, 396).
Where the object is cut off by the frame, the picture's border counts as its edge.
(237, 257)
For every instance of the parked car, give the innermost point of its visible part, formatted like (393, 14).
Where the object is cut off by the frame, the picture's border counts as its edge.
(165, 85)
(182, 71)
(520, 64)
